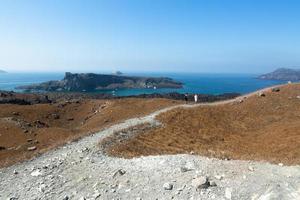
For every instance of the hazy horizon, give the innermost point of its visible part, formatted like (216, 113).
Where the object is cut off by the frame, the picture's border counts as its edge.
(195, 36)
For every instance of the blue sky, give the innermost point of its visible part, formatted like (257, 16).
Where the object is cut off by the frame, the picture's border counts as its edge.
(233, 36)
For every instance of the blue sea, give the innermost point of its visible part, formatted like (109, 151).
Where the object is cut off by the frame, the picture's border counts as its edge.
(193, 83)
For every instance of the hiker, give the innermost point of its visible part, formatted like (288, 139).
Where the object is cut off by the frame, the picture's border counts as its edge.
(196, 98)
(186, 97)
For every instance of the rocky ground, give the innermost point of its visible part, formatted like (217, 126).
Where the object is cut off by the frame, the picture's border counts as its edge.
(81, 170)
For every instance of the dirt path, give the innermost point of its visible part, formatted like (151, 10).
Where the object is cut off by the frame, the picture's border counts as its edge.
(261, 126)
(79, 170)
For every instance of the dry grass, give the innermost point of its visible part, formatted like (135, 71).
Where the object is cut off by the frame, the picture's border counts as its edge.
(76, 119)
(260, 128)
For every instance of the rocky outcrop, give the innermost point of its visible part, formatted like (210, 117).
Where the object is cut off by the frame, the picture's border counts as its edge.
(282, 74)
(91, 82)
(7, 97)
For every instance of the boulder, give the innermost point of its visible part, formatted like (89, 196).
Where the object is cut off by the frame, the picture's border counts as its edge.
(261, 94)
(212, 183)
(276, 90)
(200, 182)
(168, 186)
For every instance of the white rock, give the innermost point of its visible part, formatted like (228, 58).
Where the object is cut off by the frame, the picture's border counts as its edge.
(36, 173)
(42, 188)
(218, 177)
(228, 192)
(200, 182)
(66, 198)
(280, 164)
(168, 186)
(250, 168)
(212, 183)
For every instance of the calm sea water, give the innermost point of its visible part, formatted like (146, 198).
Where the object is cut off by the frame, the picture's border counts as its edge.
(193, 83)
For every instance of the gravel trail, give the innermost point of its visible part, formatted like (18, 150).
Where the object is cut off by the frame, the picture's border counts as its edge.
(79, 170)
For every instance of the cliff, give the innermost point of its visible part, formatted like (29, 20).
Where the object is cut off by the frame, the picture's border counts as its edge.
(282, 74)
(91, 82)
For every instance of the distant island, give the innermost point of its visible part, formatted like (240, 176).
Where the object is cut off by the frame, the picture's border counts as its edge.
(282, 74)
(91, 82)
(117, 73)
(2, 71)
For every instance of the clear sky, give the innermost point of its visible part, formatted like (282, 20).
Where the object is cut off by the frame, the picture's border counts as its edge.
(234, 36)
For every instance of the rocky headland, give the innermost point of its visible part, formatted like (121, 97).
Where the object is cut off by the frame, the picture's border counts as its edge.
(282, 74)
(91, 82)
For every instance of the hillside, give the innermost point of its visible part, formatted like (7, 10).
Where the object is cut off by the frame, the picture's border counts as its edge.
(91, 82)
(48, 125)
(259, 127)
(282, 74)
(2, 71)
(255, 128)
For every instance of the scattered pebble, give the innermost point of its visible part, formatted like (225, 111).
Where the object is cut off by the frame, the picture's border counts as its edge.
(261, 94)
(168, 186)
(200, 182)
(228, 192)
(218, 177)
(42, 188)
(36, 173)
(276, 90)
(250, 168)
(96, 195)
(212, 183)
(66, 198)
(31, 148)
(120, 172)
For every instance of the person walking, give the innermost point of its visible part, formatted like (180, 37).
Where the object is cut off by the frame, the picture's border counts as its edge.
(186, 97)
(196, 98)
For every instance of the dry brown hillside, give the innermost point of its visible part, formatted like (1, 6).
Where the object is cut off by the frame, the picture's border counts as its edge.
(45, 126)
(259, 128)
